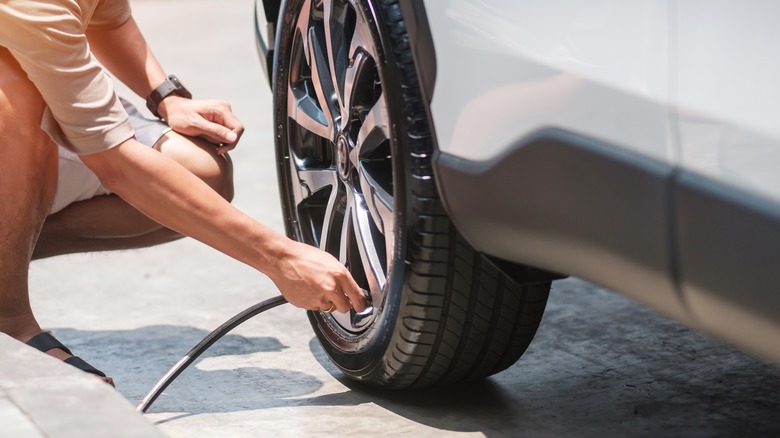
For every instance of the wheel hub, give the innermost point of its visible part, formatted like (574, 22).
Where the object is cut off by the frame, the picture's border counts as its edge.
(342, 157)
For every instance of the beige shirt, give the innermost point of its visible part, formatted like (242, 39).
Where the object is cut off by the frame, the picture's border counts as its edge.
(48, 40)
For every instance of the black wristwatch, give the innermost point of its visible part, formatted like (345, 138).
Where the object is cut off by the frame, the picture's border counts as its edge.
(170, 86)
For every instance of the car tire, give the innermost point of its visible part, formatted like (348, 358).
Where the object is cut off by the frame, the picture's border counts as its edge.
(354, 152)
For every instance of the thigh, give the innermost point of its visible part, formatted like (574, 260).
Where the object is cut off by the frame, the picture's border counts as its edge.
(22, 106)
(29, 155)
(76, 182)
(28, 168)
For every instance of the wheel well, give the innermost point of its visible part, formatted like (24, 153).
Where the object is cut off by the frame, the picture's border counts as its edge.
(271, 9)
(524, 274)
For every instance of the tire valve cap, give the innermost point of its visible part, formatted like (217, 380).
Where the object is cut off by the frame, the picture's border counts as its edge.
(358, 317)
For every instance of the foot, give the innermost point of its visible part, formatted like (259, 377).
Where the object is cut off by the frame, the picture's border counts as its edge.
(47, 343)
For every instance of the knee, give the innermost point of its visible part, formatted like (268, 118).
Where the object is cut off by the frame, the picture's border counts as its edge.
(200, 158)
(222, 181)
(215, 170)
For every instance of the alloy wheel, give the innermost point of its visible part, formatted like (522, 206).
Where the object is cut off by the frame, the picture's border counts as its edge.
(340, 169)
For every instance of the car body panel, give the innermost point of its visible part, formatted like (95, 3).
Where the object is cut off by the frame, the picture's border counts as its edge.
(727, 99)
(569, 204)
(728, 246)
(599, 71)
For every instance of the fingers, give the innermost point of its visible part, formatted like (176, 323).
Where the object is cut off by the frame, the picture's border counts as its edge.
(212, 120)
(348, 296)
(330, 308)
(220, 126)
(218, 134)
(315, 280)
(353, 293)
(335, 302)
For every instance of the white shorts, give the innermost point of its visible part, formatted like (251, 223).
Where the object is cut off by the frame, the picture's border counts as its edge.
(75, 182)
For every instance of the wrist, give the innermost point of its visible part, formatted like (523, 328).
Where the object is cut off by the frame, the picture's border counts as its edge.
(165, 106)
(171, 86)
(267, 250)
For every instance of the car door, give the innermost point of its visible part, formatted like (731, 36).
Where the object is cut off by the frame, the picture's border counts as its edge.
(726, 93)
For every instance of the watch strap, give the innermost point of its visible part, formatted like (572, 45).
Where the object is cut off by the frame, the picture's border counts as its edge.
(171, 85)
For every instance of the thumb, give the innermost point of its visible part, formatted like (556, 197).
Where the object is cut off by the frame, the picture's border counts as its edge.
(231, 137)
(217, 133)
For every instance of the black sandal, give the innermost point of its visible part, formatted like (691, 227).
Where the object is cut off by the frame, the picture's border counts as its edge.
(45, 341)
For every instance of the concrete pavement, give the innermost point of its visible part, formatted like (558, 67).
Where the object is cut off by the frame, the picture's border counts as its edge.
(42, 397)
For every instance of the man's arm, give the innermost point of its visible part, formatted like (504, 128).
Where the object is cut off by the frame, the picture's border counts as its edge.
(125, 53)
(172, 196)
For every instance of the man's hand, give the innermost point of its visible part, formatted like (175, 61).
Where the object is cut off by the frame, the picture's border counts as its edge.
(212, 120)
(314, 280)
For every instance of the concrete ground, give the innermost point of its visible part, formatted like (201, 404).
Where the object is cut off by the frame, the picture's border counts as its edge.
(601, 365)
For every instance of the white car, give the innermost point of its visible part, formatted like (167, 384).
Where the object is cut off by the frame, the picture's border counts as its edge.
(459, 155)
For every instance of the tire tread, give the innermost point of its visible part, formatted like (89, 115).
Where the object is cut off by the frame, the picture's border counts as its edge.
(468, 317)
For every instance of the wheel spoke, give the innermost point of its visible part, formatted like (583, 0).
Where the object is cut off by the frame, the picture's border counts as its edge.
(336, 48)
(322, 80)
(305, 104)
(374, 130)
(353, 73)
(299, 191)
(312, 181)
(359, 53)
(302, 26)
(334, 216)
(317, 179)
(367, 246)
(361, 41)
(380, 203)
(302, 107)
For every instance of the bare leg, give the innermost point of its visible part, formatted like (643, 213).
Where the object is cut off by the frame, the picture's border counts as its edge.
(108, 223)
(28, 176)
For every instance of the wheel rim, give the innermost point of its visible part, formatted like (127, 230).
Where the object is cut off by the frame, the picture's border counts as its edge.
(338, 155)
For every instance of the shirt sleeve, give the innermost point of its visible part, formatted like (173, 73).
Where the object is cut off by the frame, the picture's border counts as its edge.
(48, 41)
(110, 14)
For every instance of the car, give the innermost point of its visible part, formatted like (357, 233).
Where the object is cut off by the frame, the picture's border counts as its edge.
(458, 156)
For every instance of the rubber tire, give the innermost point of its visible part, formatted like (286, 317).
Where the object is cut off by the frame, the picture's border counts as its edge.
(451, 314)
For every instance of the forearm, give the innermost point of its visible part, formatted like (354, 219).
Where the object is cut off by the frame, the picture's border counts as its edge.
(172, 196)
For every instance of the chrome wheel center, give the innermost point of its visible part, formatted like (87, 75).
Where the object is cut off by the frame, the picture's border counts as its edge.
(342, 157)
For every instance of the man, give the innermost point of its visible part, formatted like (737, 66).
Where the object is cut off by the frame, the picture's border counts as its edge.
(53, 88)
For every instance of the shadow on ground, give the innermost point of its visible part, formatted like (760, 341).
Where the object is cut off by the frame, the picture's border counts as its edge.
(600, 365)
(136, 359)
